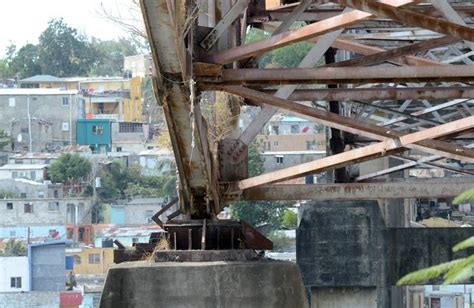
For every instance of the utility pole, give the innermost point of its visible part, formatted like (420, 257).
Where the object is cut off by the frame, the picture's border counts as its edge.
(30, 148)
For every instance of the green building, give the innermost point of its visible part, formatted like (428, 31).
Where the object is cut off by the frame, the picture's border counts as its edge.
(96, 133)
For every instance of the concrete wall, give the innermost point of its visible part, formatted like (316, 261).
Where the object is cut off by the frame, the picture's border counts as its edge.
(29, 172)
(343, 297)
(47, 114)
(82, 264)
(415, 248)
(347, 244)
(289, 159)
(335, 238)
(138, 65)
(30, 299)
(248, 284)
(295, 142)
(35, 231)
(140, 214)
(33, 190)
(48, 264)
(14, 267)
(42, 213)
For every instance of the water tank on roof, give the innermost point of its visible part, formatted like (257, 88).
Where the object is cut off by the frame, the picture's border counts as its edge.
(107, 243)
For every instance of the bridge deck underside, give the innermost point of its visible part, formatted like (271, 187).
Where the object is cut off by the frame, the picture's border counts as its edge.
(403, 85)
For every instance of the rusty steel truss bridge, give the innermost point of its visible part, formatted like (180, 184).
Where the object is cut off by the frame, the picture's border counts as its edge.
(399, 82)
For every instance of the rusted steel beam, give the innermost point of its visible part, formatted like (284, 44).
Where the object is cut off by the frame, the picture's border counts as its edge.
(381, 94)
(397, 52)
(411, 18)
(353, 126)
(431, 188)
(369, 152)
(350, 75)
(165, 23)
(348, 45)
(289, 37)
(318, 14)
(369, 50)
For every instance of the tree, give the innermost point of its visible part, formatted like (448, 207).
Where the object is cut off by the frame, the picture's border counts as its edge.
(127, 182)
(131, 21)
(69, 167)
(110, 56)
(5, 139)
(24, 62)
(258, 212)
(63, 52)
(287, 57)
(289, 219)
(455, 271)
(14, 249)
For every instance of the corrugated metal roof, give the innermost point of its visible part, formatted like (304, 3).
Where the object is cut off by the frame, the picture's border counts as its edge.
(41, 78)
(23, 166)
(292, 119)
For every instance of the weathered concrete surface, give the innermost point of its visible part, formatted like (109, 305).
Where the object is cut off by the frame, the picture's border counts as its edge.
(29, 299)
(344, 297)
(204, 284)
(414, 248)
(337, 243)
(346, 245)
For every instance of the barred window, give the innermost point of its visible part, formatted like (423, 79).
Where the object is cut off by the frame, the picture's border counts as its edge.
(130, 127)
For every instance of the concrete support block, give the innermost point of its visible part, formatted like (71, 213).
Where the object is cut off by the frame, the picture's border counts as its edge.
(344, 297)
(204, 284)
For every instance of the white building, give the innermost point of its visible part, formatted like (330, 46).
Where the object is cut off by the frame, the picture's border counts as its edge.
(138, 65)
(14, 274)
(34, 172)
(156, 161)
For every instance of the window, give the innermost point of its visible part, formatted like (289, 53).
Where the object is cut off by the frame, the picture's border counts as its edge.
(24, 130)
(275, 130)
(23, 195)
(53, 207)
(119, 149)
(18, 162)
(279, 159)
(128, 127)
(311, 145)
(94, 258)
(148, 215)
(56, 193)
(33, 175)
(275, 143)
(28, 207)
(65, 101)
(65, 126)
(295, 129)
(14, 174)
(15, 282)
(135, 240)
(40, 194)
(11, 102)
(9, 206)
(77, 259)
(97, 129)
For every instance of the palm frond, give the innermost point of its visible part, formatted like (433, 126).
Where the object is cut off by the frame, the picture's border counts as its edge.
(467, 195)
(464, 244)
(460, 272)
(428, 273)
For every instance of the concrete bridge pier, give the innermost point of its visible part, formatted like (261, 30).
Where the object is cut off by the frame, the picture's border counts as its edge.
(258, 284)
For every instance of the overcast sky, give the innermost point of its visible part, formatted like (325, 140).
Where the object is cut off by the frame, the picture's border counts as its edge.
(22, 21)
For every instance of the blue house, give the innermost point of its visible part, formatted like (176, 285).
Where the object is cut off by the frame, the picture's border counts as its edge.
(95, 133)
